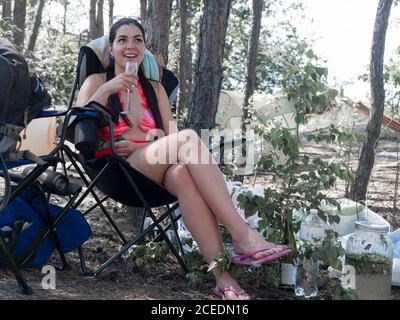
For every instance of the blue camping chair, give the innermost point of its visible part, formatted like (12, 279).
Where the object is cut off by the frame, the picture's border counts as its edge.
(30, 227)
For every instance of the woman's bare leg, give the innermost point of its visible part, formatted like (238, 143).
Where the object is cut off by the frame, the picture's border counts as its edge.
(199, 220)
(185, 147)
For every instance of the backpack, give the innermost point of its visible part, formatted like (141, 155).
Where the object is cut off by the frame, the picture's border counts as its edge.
(23, 223)
(22, 95)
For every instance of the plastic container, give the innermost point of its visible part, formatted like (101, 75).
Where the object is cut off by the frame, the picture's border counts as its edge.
(306, 278)
(348, 215)
(312, 228)
(312, 232)
(369, 250)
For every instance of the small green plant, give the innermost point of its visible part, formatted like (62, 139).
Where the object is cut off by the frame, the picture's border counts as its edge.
(335, 291)
(327, 252)
(345, 140)
(299, 182)
(272, 274)
(149, 254)
(223, 262)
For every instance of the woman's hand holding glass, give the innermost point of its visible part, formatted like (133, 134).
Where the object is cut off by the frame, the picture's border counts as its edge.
(130, 68)
(121, 82)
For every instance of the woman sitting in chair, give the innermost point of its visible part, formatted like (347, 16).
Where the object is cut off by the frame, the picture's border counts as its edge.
(171, 158)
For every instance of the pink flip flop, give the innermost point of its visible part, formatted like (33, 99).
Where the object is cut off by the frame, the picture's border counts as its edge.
(221, 293)
(277, 251)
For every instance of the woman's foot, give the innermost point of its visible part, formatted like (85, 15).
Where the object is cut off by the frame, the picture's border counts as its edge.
(228, 289)
(253, 247)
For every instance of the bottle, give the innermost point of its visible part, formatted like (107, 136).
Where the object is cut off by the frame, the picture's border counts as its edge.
(312, 228)
(312, 232)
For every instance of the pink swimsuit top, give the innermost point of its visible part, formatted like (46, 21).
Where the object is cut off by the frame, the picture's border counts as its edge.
(146, 124)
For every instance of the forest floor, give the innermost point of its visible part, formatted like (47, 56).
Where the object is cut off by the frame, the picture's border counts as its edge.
(124, 280)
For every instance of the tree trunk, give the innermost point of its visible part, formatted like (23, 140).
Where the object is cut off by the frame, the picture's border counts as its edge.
(19, 22)
(208, 73)
(252, 59)
(36, 26)
(367, 158)
(143, 11)
(92, 19)
(6, 13)
(65, 17)
(96, 20)
(185, 56)
(110, 12)
(158, 23)
(100, 19)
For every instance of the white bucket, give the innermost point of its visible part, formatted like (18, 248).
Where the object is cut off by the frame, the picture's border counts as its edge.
(40, 136)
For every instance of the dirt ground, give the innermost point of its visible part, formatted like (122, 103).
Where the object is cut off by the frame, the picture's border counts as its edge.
(125, 281)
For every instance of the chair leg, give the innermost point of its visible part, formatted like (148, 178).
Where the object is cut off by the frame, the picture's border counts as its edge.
(173, 223)
(142, 220)
(53, 234)
(25, 288)
(85, 271)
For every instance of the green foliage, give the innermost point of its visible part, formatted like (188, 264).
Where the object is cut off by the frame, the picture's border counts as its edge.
(344, 140)
(328, 252)
(299, 183)
(55, 55)
(391, 78)
(272, 275)
(345, 294)
(336, 291)
(54, 61)
(174, 39)
(195, 262)
(279, 45)
(335, 135)
(149, 254)
(236, 42)
(370, 263)
(223, 263)
(6, 29)
(305, 85)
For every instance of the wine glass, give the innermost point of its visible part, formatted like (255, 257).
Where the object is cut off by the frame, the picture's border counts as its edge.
(130, 66)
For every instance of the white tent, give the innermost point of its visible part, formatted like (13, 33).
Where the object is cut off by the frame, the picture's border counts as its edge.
(266, 107)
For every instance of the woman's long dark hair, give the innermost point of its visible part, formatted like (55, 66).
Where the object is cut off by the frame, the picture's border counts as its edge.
(147, 87)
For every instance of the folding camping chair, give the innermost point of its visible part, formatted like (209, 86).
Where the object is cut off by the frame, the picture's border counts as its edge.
(108, 173)
(30, 227)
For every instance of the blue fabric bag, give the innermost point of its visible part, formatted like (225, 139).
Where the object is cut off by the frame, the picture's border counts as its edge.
(24, 221)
